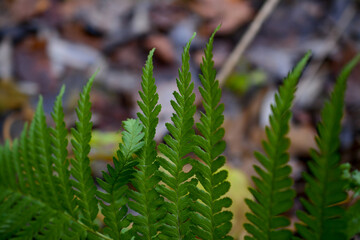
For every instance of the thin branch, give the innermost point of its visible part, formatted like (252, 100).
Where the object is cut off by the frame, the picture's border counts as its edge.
(254, 28)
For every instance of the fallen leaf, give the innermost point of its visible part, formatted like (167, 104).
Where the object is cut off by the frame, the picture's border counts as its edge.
(32, 64)
(164, 47)
(230, 13)
(22, 10)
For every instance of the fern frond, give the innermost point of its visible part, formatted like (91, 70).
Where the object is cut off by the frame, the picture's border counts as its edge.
(209, 221)
(8, 170)
(14, 213)
(29, 145)
(23, 217)
(146, 201)
(273, 194)
(3, 168)
(115, 182)
(324, 216)
(41, 151)
(85, 188)
(27, 171)
(34, 171)
(179, 144)
(18, 167)
(61, 162)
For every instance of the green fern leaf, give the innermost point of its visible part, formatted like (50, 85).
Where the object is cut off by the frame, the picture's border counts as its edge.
(132, 138)
(3, 168)
(29, 145)
(85, 188)
(324, 217)
(18, 166)
(209, 221)
(42, 156)
(23, 217)
(115, 182)
(26, 169)
(14, 213)
(61, 162)
(352, 178)
(8, 170)
(353, 219)
(35, 172)
(178, 145)
(274, 195)
(146, 201)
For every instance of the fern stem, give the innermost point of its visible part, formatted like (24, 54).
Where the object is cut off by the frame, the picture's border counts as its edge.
(89, 229)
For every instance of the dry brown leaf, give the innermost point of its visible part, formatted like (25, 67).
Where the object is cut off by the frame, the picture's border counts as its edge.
(230, 13)
(22, 10)
(164, 47)
(74, 32)
(32, 63)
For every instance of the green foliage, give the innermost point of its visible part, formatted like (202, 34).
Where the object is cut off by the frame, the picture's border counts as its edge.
(181, 195)
(146, 201)
(325, 190)
(61, 162)
(274, 195)
(84, 185)
(115, 181)
(42, 155)
(352, 178)
(179, 143)
(210, 222)
(24, 217)
(353, 220)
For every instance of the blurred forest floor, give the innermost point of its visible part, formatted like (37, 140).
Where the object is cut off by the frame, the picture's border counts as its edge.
(47, 43)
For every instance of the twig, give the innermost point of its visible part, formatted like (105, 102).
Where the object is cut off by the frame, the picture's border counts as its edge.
(234, 57)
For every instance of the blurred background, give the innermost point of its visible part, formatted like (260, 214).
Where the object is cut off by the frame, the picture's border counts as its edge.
(47, 43)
